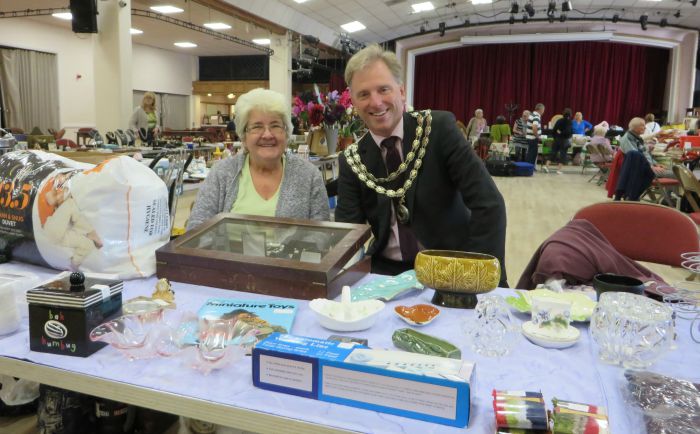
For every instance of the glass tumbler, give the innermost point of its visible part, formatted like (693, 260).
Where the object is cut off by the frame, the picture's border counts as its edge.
(631, 330)
(492, 332)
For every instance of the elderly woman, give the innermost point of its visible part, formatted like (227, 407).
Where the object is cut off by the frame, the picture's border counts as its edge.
(144, 120)
(477, 125)
(651, 126)
(263, 179)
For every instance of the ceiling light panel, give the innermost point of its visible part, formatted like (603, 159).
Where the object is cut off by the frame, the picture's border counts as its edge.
(262, 41)
(353, 26)
(481, 2)
(422, 7)
(185, 44)
(167, 9)
(217, 26)
(63, 15)
(134, 31)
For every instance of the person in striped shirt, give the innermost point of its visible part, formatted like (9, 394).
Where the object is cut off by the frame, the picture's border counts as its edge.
(534, 129)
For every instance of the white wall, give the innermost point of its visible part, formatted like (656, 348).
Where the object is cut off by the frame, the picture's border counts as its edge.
(153, 69)
(163, 71)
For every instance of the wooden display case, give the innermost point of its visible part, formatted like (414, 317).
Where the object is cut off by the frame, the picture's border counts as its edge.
(302, 259)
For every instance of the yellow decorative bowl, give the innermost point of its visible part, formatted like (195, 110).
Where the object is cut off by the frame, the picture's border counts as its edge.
(457, 276)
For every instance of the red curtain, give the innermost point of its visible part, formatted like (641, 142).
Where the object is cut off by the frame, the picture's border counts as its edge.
(603, 80)
(336, 82)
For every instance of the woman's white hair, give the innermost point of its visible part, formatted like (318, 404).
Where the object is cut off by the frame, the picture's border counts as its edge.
(266, 101)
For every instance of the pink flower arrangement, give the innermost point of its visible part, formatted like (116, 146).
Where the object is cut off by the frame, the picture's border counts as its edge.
(328, 109)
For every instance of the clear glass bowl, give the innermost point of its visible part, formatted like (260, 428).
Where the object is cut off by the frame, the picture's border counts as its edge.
(492, 332)
(631, 330)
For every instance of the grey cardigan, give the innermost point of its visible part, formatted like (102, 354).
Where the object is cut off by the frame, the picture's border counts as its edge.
(139, 119)
(302, 192)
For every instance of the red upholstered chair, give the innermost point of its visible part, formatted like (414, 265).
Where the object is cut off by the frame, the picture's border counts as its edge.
(644, 231)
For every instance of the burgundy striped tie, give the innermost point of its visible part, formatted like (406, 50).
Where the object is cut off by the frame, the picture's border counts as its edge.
(407, 241)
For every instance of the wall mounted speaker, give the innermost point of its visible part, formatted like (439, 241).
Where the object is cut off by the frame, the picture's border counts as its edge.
(84, 16)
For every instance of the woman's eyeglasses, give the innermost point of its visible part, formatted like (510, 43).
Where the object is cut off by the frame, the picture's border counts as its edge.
(259, 129)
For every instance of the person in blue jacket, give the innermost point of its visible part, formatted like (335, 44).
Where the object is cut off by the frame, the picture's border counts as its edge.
(579, 125)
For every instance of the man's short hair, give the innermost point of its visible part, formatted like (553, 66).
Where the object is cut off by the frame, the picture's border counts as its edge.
(369, 55)
(634, 122)
(539, 106)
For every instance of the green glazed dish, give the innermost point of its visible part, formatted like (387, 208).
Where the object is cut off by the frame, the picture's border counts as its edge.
(416, 342)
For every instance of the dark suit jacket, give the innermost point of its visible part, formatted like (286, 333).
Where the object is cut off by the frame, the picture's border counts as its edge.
(453, 203)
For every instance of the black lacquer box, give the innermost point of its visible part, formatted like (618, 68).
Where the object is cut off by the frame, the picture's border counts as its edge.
(62, 315)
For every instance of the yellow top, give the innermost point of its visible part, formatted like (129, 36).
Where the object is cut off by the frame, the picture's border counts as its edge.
(248, 201)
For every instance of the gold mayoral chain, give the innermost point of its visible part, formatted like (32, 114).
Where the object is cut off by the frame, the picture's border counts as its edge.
(417, 152)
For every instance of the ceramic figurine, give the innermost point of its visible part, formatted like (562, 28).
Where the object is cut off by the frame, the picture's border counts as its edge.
(164, 291)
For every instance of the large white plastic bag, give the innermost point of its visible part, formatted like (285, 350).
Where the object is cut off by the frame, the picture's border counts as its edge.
(127, 206)
(111, 217)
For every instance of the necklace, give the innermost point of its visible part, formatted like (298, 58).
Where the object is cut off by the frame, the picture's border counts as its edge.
(417, 152)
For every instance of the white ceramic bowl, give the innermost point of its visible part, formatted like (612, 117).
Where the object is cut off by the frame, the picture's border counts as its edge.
(361, 315)
(551, 338)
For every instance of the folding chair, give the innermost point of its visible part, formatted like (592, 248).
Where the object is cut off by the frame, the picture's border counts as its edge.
(603, 167)
(690, 187)
(667, 191)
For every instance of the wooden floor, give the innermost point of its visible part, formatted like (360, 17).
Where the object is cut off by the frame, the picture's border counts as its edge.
(536, 206)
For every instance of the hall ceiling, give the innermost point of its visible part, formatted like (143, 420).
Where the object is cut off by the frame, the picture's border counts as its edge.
(384, 19)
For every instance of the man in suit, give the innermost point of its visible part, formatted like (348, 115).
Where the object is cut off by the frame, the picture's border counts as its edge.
(447, 201)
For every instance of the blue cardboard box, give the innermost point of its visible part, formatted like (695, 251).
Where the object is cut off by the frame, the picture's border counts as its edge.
(429, 388)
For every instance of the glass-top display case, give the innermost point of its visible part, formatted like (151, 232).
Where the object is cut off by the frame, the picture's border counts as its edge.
(284, 257)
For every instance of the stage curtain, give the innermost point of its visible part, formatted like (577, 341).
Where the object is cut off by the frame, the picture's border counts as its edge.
(603, 80)
(336, 82)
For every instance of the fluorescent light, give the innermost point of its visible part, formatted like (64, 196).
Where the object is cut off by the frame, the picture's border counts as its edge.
(217, 26)
(167, 9)
(537, 37)
(208, 94)
(262, 41)
(135, 31)
(481, 2)
(353, 27)
(185, 44)
(63, 15)
(300, 1)
(422, 7)
(230, 96)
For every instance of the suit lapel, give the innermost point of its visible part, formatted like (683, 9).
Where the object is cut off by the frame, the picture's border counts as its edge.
(371, 156)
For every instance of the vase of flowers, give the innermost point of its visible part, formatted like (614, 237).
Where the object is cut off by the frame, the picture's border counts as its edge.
(332, 112)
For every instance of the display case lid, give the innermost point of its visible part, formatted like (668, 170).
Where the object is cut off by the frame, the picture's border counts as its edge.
(269, 242)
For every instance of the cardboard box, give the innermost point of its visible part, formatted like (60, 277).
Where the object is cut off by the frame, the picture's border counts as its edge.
(61, 319)
(429, 388)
